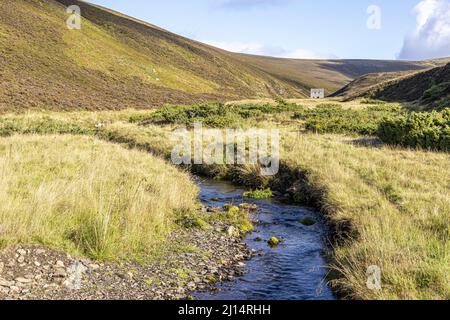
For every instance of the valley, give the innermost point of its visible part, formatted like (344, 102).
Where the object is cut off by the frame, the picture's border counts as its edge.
(369, 193)
(94, 207)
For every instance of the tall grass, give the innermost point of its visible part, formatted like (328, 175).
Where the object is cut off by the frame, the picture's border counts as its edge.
(88, 197)
(396, 202)
(398, 205)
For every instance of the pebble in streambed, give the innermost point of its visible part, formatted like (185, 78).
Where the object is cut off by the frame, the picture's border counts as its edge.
(294, 269)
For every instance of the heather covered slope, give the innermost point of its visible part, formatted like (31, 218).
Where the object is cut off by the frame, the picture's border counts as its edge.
(112, 62)
(428, 88)
(117, 62)
(329, 74)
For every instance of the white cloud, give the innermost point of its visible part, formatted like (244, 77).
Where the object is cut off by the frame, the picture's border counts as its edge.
(431, 38)
(265, 50)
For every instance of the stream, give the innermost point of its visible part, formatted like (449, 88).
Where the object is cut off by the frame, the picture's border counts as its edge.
(295, 270)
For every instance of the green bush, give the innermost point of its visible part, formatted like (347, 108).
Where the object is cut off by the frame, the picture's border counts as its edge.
(372, 101)
(259, 194)
(216, 115)
(418, 130)
(41, 125)
(332, 118)
(436, 92)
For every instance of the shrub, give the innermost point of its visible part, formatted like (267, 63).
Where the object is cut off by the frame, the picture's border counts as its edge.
(332, 118)
(41, 125)
(216, 115)
(418, 130)
(436, 92)
(259, 194)
(372, 101)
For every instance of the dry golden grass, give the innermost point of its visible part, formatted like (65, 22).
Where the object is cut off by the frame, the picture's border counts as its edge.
(398, 201)
(88, 197)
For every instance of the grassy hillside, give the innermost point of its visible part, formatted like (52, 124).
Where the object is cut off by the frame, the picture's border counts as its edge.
(430, 88)
(115, 62)
(358, 87)
(329, 74)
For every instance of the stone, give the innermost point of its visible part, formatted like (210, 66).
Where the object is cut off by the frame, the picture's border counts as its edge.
(14, 289)
(23, 280)
(21, 252)
(197, 280)
(308, 221)
(232, 231)
(4, 290)
(94, 266)
(60, 273)
(6, 283)
(274, 241)
(20, 259)
(59, 264)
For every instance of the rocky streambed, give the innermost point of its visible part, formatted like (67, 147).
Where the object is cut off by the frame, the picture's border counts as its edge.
(290, 243)
(36, 272)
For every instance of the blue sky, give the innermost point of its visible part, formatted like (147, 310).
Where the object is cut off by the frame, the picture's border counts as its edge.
(407, 29)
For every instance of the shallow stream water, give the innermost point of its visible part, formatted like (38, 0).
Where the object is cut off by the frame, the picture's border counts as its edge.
(295, 270)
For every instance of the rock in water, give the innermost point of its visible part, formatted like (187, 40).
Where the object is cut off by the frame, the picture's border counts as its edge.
(274, 241)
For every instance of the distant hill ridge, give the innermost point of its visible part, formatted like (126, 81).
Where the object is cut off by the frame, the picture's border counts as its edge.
(429, 88)
(117, 62)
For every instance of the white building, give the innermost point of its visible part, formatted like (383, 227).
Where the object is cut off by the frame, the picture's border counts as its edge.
(317, 93)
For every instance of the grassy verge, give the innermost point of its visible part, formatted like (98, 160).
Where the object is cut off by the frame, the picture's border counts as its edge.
(391, 204)
(88, 197)
(397, 205)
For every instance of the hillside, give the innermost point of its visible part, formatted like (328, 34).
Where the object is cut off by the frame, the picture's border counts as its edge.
(429, 88)
(329, 74)
(360, 86)
(117, 62)
(371, 81)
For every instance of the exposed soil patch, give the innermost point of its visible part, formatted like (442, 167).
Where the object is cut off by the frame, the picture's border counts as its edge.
(36, 272)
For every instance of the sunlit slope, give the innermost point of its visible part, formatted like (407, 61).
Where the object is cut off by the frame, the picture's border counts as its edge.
(117, 62)
(329, 74)
(429, 88)
(112, 62)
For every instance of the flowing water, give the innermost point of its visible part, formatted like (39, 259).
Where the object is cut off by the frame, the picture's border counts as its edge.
(292, 271)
